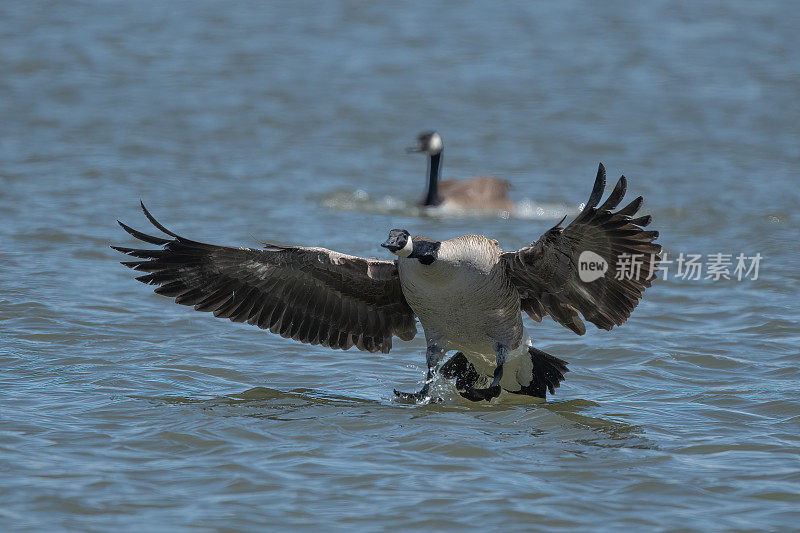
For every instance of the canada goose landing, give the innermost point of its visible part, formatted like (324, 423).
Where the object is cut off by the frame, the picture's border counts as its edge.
(484, 193)
(467, 292)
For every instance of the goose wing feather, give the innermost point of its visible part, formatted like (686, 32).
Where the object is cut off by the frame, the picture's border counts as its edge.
(313, 295)
(546, 272)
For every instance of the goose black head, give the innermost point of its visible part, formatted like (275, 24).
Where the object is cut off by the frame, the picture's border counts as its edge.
(399, 243)
(429, 142)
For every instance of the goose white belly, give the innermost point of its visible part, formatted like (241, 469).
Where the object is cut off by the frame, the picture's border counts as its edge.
(471, 318)
(463, 305)
(456, 320)
(517, 370)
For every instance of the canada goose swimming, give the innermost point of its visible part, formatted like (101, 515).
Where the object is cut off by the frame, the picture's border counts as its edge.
(484, 193)
(467, 292)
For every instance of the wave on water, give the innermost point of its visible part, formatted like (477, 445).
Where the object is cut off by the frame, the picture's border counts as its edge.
(574, 420)
(360, 200)
(260, 395)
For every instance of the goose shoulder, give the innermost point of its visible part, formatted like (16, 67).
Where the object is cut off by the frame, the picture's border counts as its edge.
(471, 244)
(471, 249)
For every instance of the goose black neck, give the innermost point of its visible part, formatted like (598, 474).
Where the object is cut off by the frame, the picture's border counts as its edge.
(432, 197)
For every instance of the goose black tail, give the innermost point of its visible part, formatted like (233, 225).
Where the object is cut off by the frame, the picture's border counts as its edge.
(547, 374)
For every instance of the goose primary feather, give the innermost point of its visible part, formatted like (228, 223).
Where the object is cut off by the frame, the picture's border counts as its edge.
(467, 292)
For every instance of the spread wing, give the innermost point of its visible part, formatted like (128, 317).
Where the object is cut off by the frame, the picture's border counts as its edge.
(312, 295)
(547, 274)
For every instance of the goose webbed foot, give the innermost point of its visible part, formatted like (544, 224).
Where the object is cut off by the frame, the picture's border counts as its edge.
(420, 397)
(433, 355)
(476, 395)
(460, 369)
(466, 368)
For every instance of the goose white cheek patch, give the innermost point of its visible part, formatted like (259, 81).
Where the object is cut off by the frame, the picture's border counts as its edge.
(406, 250)
(435, 144)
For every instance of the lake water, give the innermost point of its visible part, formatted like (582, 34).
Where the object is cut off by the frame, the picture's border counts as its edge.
(122, 411)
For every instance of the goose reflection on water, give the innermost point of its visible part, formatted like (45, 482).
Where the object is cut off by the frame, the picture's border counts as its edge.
(576, 421)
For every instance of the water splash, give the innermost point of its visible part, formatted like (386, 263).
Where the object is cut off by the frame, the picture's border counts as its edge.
(360, 200)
